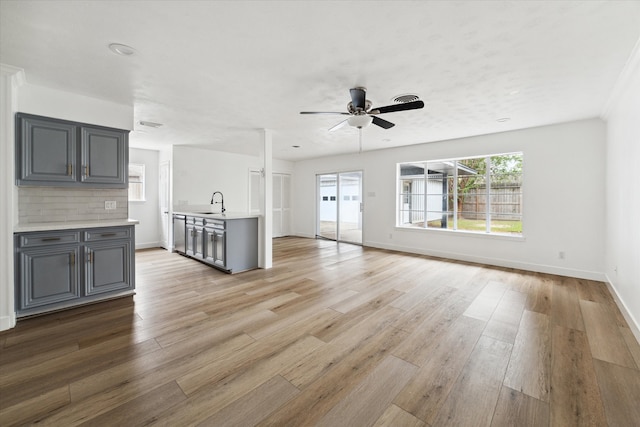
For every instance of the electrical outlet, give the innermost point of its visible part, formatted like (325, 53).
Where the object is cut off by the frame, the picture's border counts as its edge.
(110, 204)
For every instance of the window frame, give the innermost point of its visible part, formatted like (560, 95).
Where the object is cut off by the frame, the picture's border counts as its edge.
(402, 195)
(141, 181)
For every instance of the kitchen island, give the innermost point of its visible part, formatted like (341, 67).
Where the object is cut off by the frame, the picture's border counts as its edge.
(228, 242)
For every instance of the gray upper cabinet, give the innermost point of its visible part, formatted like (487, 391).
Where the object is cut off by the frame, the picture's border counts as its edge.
(47, 151)
(53, 152)
(103, 151)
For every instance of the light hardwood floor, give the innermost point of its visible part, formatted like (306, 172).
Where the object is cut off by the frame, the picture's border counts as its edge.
(333, 335)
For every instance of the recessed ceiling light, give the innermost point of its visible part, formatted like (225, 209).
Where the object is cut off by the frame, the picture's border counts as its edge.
(121, 49)
(149, 124)
(514, 92)
(503, 119)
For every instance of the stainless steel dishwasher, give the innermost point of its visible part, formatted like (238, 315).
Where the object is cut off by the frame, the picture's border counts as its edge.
(179, 233)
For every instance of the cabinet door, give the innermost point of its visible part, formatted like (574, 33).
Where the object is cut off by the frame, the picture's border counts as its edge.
(219, 248)
(48, 275)
(107, 267)
(199, 242)
(190, 240)
(104, 157)
(46, 151)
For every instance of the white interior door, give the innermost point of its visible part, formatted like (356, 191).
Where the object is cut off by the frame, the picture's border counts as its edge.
(254, 191)
(163, 183)
(281, 204)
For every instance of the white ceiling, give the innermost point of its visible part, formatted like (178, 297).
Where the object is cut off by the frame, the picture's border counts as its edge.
(216, 72)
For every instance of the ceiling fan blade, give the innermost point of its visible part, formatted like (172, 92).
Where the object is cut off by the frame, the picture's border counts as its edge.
(382, 123)
(358, 96)
(339, 125)
(398, 107)
(323, 112)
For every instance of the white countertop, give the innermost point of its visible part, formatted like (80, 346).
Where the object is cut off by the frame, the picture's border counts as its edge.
(69, 225)
(224, 216)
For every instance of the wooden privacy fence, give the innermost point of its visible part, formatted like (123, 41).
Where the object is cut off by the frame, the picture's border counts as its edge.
(506, 202)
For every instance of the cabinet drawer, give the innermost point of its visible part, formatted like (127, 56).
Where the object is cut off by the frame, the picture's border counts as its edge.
(48, 238)
(106, 234)
(215, 224)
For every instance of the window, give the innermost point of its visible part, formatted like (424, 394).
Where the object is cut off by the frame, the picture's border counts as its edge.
(136, 182)
(476, 194)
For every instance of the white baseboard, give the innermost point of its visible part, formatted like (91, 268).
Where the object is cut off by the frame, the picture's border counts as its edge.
(147, 245)
(7, 322)
(633, 323)
(499, 262)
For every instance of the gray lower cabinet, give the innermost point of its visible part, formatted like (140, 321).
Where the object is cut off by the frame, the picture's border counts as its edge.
(230, 245)
(50, 276)
(61, 153)
(60, 269)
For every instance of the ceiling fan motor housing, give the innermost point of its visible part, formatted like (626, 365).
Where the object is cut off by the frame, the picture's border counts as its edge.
(353, 110)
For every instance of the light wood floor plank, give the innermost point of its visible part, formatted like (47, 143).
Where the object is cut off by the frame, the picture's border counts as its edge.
(426, 392)
(604, 336)
(504, 322)
(255, 405)
(529, 368)
(486, 302)
(138, 411)
(620, 389)
(473, 398)
(518, 409)
(323, 394)
(396, 417)
(575, 397)
(35, 408)
(316, 365)
(565, 308)
(632, 344)
(539, 294)
(367, 401)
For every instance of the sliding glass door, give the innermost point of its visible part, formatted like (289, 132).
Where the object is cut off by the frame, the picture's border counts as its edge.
(340, 206)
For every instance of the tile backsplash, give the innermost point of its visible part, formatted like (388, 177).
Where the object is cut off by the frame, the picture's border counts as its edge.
(53, 204)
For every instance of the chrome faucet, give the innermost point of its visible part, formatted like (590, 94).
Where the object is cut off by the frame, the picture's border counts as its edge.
(221, 199)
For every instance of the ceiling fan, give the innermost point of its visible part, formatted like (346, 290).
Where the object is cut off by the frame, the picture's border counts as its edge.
(362, 115)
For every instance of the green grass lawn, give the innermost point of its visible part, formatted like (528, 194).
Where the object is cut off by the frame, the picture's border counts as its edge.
(480, 225)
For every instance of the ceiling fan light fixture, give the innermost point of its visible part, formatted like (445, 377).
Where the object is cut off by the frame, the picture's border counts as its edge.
(360, 121)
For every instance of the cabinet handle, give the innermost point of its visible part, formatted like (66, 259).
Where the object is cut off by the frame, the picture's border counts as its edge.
(50, 239)
(69, 169)
(86, 171)
(90, 257)
(73, 258)
(107, 234)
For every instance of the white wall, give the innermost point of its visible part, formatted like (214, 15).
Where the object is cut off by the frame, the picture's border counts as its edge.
(563, 199)
(198, 172)
(71, 106)
(147, 212)
(622, 223)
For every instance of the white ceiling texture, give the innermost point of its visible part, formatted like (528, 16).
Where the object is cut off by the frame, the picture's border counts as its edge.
(216, 72)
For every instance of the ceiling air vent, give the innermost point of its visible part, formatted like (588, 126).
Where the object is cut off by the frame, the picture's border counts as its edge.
(402, 99)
